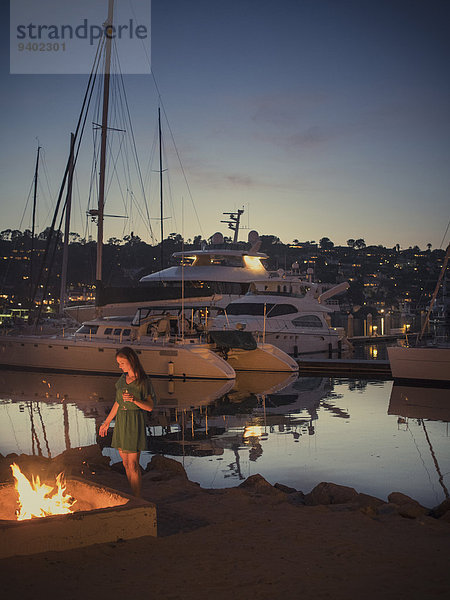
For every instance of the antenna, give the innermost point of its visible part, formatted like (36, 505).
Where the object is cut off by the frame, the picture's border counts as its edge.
(234, 221)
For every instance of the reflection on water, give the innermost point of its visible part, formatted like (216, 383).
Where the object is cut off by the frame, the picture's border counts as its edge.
(372, 435)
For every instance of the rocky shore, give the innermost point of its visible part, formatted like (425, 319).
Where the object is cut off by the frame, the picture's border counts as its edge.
(254, 541)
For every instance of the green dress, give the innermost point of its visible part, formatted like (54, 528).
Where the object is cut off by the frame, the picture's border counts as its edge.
(129, 429)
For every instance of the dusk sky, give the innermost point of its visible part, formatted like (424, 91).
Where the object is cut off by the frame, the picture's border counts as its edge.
(319, 117)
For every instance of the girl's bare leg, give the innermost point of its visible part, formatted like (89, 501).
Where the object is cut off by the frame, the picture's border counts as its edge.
(133, 471)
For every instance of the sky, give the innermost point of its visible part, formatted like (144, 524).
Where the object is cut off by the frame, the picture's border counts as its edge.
(321, 118)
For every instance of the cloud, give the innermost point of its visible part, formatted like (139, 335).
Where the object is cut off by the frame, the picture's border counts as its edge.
(283, 110)
(241, 180)
(309, 137)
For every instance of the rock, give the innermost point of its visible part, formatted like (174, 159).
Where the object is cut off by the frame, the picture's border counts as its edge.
(407, 507)
(82, 461)
(257, 483)
(439, 511)
(365, 501)
(297, 499)
(285, 488)
(387, 509)
(331, 493)
(118, 468)
(445, 517)
(166, 467)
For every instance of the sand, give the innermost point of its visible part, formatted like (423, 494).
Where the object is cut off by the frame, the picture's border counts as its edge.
(255, 541)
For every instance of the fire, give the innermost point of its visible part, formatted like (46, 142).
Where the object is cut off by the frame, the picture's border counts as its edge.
(41, 500)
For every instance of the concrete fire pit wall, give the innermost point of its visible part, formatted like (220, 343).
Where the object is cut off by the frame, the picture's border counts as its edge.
(101, 515)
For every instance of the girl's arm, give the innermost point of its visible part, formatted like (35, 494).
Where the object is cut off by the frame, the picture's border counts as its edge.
(144, 404)
(105, 425)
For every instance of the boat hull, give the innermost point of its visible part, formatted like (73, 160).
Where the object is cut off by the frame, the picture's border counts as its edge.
(69, 355)
(298, 342)
(266, 358)
(305, 342)
(420, 364)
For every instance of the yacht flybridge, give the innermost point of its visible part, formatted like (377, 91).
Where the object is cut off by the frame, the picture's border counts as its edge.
(222, 271)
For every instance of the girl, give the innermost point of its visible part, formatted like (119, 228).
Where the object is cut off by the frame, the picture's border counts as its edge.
(134, 395)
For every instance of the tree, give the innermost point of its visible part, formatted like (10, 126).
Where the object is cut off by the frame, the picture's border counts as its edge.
(132, 239)
(360, 243)
(113, 241)
(326, 244)
(74, 237)
(351, 243)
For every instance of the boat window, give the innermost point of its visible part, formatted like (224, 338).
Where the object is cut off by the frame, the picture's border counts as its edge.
(87, 330)
(307, 321)
(226, 260)
(117, 331)
(248, 308)
(280, 309)
(126, 331)
(108, 331)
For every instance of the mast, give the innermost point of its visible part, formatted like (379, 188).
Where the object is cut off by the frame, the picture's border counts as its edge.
(33, 223)
(101, 194)
(62, 293)
(234, 222)
(435, 293)
(161, 188)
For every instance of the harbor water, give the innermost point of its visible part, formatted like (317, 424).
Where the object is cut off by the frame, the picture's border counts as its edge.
(372, 435)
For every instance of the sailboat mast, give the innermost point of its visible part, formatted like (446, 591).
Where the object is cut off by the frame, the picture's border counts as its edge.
(101, 193)
(435, 293)
(161, 188)
(63, 291)
(33, 223)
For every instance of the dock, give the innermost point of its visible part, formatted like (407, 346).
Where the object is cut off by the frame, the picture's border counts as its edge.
(345, 367)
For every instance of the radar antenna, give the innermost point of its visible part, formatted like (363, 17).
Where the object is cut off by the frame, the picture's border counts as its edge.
(234, 221)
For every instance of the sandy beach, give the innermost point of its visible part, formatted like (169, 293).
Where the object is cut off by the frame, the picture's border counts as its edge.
(253, 541)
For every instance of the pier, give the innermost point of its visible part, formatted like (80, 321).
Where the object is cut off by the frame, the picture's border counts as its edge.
(345, 367)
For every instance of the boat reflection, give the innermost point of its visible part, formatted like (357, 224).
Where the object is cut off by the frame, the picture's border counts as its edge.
(190, 428)
(47, 413)
(33, 385)
(188, 394)
(430, 403)
(258, 384)
(423, 404)
(242, 419)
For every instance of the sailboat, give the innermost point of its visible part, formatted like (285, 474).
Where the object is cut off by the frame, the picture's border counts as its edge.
(423, 362)
(165, 356)
(62, 353)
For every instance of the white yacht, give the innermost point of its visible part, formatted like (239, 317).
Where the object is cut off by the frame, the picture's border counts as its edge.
(215, 268)
(288, 312)
(214, 274)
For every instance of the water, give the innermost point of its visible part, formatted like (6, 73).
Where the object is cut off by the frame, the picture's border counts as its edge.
(371, 435)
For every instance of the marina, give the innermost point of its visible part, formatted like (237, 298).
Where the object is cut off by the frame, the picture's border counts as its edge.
(293, 436)
(366, 433)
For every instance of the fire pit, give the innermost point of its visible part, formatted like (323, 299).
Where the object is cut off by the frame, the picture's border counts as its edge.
(99, 515)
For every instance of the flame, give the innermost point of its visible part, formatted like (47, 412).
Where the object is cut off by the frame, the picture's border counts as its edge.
(40, 500)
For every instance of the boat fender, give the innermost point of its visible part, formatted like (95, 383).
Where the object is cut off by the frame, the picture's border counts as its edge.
(170, 368)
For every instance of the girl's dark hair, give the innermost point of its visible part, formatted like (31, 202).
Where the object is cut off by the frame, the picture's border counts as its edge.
(133, 359)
